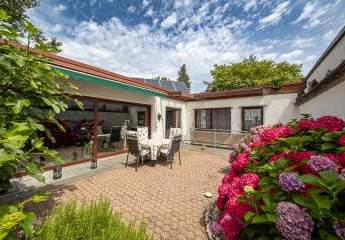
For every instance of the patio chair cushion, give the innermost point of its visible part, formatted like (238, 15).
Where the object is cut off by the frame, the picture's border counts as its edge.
(165, 151)
(144, 152)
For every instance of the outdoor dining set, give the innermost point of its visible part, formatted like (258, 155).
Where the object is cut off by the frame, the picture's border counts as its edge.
(143, 148)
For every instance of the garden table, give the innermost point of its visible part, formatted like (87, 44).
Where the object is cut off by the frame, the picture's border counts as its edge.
(155, 144)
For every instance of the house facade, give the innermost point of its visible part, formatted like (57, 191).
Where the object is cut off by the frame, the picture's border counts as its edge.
(219, 118)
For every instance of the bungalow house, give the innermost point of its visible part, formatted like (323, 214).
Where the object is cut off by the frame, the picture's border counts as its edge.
(323, 91)
(215, 118)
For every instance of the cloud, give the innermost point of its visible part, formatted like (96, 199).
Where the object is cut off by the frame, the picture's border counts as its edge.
(149, 12)
(303, 42)
(197, 33)
(131, 9)
(313, 13)
(146, 3)
(59, 8)
(169, 21)
(291, 56)
(251, 4)
(275, 15)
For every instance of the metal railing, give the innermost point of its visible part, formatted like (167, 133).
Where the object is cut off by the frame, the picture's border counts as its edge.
(214, 137)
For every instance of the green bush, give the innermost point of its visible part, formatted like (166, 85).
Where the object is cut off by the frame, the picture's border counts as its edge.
(95, 221)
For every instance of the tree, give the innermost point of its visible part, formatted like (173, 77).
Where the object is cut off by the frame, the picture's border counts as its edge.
(183, 76)
(16, 9)
(31, 92)
(163, 78)
(253, 72)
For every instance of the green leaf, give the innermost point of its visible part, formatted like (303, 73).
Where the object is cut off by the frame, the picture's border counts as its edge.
(322, 201)
(248, 216)
(40, 197)
(328, 146)
(35, 172)
(3, 15)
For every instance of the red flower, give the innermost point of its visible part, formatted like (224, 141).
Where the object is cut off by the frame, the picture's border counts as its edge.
(338, 158)
(250, 179)
(298, 157)
(221, 203)
(241, 162)
(223, 190)
(341, 140)
(279, 156)
(269, 135)
(229, 177)
(331, 123)
(308, 124)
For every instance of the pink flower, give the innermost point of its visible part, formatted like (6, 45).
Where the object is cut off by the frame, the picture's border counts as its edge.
(241, 162)
(269, 135)
(341, 140)
(308, 124)
(250, 179)
(331, 123)
(221, 203)
(300, 156)
(279, 156)
(229, 177)
(223, 190)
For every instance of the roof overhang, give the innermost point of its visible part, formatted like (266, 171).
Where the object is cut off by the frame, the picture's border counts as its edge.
(89, 78)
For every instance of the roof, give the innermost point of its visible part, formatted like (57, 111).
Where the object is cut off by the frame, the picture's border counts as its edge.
(236, 93)
(70, 64)
(171, 86)
(340, 35)
(332, 78)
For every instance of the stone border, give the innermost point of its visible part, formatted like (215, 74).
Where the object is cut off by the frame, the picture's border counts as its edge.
(211, 215)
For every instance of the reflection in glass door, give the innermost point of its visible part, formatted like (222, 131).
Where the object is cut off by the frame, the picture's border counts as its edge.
(172, 120)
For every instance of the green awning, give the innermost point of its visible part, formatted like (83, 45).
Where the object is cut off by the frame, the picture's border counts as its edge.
(80, 76)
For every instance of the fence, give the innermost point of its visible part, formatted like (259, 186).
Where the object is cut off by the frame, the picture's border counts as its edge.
(214, 137)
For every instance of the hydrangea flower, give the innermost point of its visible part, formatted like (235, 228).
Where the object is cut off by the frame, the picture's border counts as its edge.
(308, 124)
(293, 222)
(319, 163)
(339, 228)
(241, 162)
(331, 123)
(290, 182)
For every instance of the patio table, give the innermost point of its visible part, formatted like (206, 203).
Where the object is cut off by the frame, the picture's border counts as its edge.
(155, 144)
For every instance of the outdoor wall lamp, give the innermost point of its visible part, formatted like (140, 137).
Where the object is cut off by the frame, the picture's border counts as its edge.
(159, 116)
(57, 172)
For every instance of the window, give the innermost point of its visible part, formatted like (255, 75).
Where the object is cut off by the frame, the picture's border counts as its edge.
(214, 118)
(251, 117)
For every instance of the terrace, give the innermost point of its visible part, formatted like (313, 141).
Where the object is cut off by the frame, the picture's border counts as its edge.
(170, 201)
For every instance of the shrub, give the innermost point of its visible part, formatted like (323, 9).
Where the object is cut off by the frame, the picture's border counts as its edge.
(94, 221)
(286, 182)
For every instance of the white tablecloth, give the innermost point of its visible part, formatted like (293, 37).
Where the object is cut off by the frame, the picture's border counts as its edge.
(154, 145)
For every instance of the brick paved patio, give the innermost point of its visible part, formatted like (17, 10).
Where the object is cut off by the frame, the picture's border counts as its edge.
(171, 202)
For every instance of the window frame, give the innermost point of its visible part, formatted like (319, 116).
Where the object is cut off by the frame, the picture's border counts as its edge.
(243, 115)
(212, 129)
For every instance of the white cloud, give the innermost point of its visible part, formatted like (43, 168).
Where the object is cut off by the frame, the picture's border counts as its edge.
(250, 4)
(275, 15)
(291, 56)
(299, 42)
(149, 12)
(169, 21)
(330, 35)
(59, 8)
(131, 9)
(146, 3)
(313, 13)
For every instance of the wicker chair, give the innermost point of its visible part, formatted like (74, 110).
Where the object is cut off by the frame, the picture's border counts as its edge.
(173, 148)
(134, 149)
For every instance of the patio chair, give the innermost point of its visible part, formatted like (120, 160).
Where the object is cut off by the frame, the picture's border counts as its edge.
(143, 134)
(173, 148)
(134, 149)
(174, 132)
(115, 136)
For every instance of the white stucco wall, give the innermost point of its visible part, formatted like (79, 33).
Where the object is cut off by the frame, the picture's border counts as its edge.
(277, 108)
(331, 102)
(331, 61)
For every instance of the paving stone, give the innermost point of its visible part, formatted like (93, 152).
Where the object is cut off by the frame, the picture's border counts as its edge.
(171, 202)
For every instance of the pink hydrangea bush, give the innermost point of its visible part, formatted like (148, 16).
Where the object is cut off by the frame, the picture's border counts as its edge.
(286, 181)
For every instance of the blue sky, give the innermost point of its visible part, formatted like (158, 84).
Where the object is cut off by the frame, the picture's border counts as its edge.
(146, 38)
